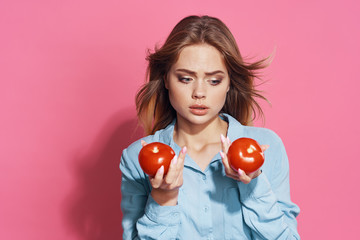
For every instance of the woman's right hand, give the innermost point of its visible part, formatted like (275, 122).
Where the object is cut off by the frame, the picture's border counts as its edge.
(165, 189)
(240, 174)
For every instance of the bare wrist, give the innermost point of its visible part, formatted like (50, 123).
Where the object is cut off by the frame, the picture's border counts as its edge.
(165, 197)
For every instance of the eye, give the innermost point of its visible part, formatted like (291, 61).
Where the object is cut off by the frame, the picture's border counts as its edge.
(215, 82)
(184, 79)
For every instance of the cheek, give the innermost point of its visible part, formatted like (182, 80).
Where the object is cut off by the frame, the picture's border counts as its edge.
(219, 99)
(221, 95)
(175, 96)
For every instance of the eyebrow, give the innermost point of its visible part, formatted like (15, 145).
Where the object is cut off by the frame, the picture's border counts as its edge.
(194, 73)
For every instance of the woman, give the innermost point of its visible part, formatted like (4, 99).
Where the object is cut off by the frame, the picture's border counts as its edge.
(199, 97)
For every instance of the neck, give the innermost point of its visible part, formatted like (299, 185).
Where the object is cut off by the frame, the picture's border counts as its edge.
(198, 135)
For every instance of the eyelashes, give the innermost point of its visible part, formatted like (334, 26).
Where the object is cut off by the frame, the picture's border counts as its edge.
(184, 79)
(213, 82)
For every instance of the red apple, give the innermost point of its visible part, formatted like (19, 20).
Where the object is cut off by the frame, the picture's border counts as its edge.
(154, 155)
(246, 154)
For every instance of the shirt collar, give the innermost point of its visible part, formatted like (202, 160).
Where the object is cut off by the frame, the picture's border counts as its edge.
(167, 134)
(235, 128)
(235, 131)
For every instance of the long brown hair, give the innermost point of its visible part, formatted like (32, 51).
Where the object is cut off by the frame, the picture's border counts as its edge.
(152, 101)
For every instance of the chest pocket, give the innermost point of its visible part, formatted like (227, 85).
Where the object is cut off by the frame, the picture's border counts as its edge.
(234, 225)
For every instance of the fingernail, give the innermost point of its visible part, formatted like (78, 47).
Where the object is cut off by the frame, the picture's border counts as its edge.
(222, 138)
(228, 139)
(240, 172)
(161, 169)
(222, 154)
(174, 161)
(183, 150)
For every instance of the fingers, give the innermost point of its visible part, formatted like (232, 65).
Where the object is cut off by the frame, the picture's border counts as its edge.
(229, 171)
(243, 177)
(143, 143)
(238, 175)
(225, 143)
(264, 147)
(173, 172)
(157, 180)
(182, 153)
(174, 177)
(255, 174)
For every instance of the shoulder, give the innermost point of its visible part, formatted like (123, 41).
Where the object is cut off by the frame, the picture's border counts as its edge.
(276, 161)
(261, 135)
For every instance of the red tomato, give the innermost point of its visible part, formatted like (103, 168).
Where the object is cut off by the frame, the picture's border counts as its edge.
(154, 155)
(246, 154)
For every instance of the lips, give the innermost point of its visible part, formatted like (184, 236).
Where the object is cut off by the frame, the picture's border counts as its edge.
(199, 109)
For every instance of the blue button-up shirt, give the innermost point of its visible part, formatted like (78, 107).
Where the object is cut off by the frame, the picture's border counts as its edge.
(210, 204)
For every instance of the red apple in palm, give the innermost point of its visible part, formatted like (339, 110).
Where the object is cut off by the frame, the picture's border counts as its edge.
(246, 154)
(154, 155)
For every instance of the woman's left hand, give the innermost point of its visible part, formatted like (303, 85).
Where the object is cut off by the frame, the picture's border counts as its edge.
(239, 175)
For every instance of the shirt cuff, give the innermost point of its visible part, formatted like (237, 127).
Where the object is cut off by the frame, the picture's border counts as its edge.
(165, 215)
(257, 188)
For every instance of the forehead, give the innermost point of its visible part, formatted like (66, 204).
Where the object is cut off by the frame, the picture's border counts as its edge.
(200, 57)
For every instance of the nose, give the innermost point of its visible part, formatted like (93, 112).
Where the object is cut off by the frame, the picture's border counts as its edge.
(199, 90)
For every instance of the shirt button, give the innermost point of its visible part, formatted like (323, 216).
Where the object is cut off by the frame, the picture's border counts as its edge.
(206, 209)
(204, 177)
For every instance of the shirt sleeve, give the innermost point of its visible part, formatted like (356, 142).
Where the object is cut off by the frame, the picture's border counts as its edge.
(143, 218)
(266, 204)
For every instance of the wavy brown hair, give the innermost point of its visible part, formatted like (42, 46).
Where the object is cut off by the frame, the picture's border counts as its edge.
(152, 101)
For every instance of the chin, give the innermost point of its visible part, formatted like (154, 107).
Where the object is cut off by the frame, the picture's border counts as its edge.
(199, 120)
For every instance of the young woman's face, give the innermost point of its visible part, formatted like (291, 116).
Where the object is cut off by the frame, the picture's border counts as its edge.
(198, 83)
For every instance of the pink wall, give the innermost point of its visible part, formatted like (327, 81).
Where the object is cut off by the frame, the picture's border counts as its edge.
(68, 74)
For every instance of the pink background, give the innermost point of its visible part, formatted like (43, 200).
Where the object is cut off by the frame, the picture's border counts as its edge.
(69, 71)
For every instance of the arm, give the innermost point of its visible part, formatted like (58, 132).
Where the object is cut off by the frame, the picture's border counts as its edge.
(266, 205)
(143, 217)
(267, 210)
